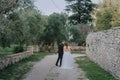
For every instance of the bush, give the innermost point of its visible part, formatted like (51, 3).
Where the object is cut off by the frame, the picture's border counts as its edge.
(18, 49)
(104, 19)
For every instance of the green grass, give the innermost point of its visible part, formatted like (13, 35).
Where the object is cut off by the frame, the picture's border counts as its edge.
(18, 70)
(7, 50)
(93, 71)
(5, 54)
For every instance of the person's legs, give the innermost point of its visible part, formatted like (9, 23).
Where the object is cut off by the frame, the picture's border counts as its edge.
(57, 61)
(61, 60)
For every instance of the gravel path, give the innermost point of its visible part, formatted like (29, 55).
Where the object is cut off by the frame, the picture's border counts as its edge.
(46, 70)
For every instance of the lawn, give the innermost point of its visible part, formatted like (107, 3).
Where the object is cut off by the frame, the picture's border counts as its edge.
(5, 51)
(8, 50)
(18, 70)
(93, 71)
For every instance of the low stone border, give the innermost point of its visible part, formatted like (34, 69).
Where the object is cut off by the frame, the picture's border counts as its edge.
(11, 59)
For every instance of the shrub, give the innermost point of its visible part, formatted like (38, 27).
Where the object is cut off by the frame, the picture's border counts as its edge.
(18, 49)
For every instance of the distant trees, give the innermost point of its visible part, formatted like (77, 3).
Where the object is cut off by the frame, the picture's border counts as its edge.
(22, 24)
(55, 29)
(79, 33)
(81, 11)
(107, 15)
(80, 19)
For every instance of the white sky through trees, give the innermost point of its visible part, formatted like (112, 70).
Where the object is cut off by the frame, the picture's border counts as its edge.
(47, 7)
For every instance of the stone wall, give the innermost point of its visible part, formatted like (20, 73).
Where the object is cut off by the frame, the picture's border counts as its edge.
(11, 59)
(104, 48)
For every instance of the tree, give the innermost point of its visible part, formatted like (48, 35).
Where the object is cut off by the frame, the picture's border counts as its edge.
(55, 29)
(10, 8)
(107, 15)
(26, 28)
(35, 23)
(79, 33)
(5, 32)
(81, 11)
(20, 23)
(104, 19)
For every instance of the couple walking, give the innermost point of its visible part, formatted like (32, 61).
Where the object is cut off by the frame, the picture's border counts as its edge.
(64, 56)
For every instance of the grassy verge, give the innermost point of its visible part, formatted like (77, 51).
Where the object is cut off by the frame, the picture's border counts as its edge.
(7, 51)
(4, 54)
(18, 70)
(93, 71)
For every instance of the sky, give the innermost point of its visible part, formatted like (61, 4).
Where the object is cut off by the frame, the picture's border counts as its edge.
(47, 7)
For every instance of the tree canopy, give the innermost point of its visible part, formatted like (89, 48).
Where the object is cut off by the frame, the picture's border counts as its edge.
(81, 11)
(79, 33)
(55, 29)
(20, 23)
(107, 15)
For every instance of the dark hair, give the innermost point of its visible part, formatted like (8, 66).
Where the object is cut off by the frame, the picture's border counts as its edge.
(66, 44)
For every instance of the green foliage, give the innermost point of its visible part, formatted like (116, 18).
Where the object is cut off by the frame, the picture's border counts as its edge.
(18, 49)
(81, 10)
(93, 71)
(22, 28)
(75, 33)
(79, 33)
(104, 19)
(5, 33)
(6, 6)
(33, 25)
(7, 49)
(11, 5)
(107, 15)
(55, 29)
(20, 23)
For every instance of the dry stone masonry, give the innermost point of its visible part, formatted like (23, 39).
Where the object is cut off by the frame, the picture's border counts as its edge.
(104, 48)
(11, 59)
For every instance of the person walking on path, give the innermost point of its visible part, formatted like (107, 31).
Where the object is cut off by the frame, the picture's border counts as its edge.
(67, 62)
(60, 53)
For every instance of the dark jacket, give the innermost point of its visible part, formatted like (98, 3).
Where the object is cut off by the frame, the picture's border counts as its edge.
(60, 48)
